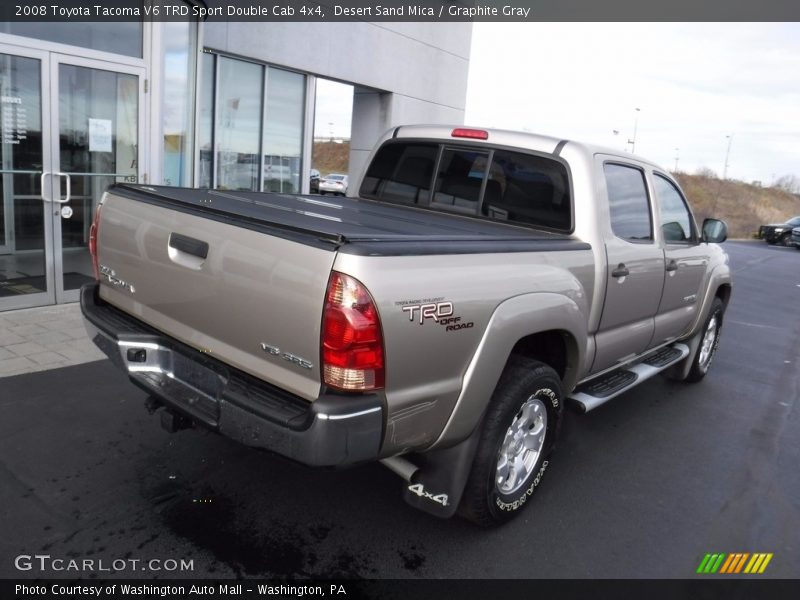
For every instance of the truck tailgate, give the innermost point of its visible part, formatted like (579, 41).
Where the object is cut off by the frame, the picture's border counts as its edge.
(219, 287)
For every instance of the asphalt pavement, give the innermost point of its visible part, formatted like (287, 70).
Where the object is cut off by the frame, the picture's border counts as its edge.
(643, 487)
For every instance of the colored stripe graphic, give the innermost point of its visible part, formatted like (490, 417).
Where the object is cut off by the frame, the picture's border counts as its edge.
(727, 564)
(734, 563)
(741, 562)
(703, 563)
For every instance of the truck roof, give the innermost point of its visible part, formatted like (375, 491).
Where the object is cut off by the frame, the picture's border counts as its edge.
(504, 137)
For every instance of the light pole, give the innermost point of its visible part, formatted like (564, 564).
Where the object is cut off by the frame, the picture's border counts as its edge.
(677, 156)
(632, 142)
(727, 154)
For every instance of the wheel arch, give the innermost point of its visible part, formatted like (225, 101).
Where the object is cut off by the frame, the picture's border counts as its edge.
(546, 327)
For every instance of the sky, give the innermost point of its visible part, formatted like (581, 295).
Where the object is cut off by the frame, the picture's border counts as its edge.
(693, 83)
(334, 108)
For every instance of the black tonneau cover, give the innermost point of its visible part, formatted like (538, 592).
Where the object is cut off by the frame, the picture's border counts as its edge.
(352, 225)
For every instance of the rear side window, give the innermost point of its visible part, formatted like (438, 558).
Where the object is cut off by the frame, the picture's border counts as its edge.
(529, 189)
(676, 224)
(401, 173)
(501, 185)
(628, 203)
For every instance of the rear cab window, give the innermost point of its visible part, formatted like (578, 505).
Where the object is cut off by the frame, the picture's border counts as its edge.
(480, 181)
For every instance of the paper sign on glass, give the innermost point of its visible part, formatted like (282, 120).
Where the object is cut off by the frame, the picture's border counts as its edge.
(99, 135)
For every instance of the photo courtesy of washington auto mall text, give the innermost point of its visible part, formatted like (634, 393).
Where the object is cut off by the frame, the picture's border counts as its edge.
(399, 299)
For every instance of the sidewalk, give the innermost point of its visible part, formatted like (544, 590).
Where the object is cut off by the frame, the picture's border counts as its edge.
(49, 337)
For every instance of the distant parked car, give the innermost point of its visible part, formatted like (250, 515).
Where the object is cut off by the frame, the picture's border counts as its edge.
(314, 182)
(796, 238)
(335, 183)
(780, 233)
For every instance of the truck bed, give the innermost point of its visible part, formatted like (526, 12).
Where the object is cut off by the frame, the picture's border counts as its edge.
(352, 225)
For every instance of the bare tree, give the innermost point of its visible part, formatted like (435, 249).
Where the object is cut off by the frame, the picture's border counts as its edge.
(788, 183)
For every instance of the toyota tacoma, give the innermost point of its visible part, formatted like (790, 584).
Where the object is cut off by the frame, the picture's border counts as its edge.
(438, 323)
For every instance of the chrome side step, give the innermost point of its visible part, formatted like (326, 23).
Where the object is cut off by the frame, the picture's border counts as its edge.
(598, 391)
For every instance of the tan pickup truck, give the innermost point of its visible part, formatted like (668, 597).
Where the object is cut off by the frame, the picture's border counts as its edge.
(437, 323)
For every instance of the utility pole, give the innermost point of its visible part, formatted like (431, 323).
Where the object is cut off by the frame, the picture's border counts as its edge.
(727, 154)
(677, 155)
(632, 142)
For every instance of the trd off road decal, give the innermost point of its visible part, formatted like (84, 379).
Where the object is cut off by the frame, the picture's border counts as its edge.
(435, 310)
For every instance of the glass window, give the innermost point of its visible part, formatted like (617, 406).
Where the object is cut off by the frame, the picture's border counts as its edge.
(283, 131)
(458, 183)
(520, 188)
(676, 223)
(401, 173)
(528, 189)
(177, 101)
(118, 37)
(237, 134)
(205, 122)
(628, 203)
(22, 259)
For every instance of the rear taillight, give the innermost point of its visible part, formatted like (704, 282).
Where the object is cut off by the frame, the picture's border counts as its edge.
(94, 231)
(352, 342)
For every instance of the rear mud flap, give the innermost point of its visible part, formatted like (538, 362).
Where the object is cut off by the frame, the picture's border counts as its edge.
(436, 487)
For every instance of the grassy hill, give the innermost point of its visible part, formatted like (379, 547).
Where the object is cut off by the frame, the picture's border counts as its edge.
(741, 205)
(330, 157)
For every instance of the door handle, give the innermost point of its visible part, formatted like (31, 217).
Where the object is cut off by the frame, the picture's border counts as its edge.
(620, 271)
(188, 245)
(672, 265)
(69, 188)
(60, 199)
(41, 182)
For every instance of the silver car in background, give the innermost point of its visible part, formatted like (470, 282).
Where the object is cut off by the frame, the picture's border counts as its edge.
(335, 184)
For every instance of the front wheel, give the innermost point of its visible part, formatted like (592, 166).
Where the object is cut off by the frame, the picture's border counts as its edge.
(786, 239)
(519, 433)
(708, 343)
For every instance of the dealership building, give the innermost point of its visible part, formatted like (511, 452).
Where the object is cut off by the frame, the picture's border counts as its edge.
(228, 105)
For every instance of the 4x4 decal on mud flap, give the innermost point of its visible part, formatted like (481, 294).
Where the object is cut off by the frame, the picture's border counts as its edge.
(419, 490)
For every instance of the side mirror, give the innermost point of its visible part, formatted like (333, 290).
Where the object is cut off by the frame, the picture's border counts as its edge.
(714, 231)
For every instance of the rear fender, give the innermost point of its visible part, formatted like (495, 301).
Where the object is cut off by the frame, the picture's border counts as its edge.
(513, 320)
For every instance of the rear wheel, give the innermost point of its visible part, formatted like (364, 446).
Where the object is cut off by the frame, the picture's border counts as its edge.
(708, 343)
(519, 433)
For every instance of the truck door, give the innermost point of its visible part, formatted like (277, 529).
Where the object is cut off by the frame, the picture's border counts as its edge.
(685, 262)
(634, 270)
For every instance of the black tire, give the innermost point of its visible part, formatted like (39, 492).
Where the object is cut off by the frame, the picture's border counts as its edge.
(786, 239)
(702, 362)
(523, 382)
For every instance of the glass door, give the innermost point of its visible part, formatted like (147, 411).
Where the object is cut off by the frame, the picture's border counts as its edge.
(26, 267)
(69, 127)
(96, 113)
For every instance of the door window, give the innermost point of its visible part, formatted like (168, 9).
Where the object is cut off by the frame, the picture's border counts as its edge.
(628, 203)
(676, 222)
(98, 145)
(22, 230)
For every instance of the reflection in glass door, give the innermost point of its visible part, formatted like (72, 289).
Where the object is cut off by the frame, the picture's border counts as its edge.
(24, 264)
(97, 145)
